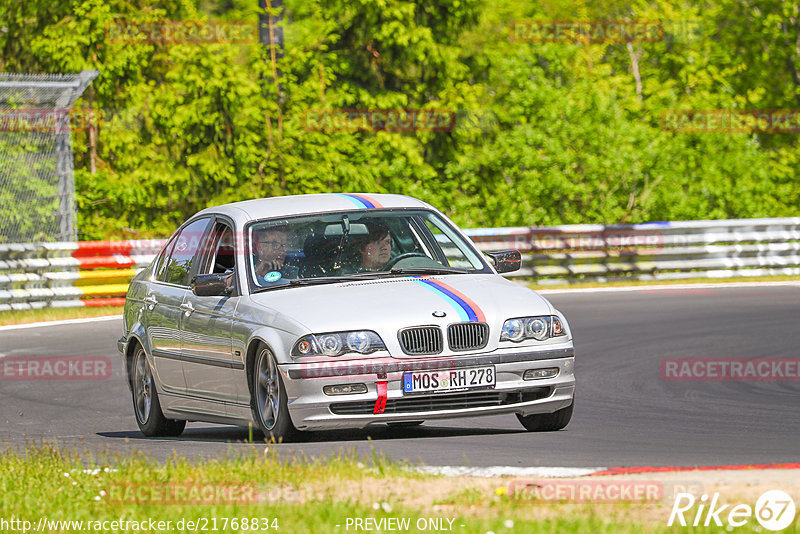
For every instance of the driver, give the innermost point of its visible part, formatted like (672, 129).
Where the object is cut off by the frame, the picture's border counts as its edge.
(376, 249)
(270, 245)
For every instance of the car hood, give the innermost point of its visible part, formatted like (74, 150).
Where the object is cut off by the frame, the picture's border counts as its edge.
(390, 304)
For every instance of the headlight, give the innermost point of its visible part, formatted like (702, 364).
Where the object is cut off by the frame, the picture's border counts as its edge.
(338, 343)
(538, 328)
(513, 330)
(358, 341)
(331, 344)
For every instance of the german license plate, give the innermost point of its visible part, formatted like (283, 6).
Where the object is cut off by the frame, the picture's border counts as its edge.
(449, 380)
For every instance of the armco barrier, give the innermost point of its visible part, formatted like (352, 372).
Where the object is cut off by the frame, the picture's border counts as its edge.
(93, 273)
(652, 251)
(86, 273)
(38, 275)
(106, 268)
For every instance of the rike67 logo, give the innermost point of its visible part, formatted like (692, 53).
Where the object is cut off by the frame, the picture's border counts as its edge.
(774, 510)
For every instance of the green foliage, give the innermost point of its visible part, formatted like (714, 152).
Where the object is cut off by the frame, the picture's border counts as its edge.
(546, 133)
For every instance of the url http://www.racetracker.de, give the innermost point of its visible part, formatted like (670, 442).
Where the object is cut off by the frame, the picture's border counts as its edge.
(202, 524)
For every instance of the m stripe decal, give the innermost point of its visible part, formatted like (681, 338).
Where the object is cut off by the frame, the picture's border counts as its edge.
(362, 201)
(473, 311)
(456, 306)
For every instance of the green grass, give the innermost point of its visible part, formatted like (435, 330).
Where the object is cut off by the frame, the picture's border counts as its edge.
(303, 494)
(56, 314)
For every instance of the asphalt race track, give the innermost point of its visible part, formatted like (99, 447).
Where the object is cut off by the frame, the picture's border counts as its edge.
(625, 414)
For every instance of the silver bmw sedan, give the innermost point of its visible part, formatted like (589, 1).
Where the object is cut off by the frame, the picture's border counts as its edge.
(327, 311)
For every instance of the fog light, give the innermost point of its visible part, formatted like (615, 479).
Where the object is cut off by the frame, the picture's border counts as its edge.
(538, 374)
(345, 389)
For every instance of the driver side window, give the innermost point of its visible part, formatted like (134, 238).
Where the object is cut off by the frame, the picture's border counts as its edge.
(220, 254)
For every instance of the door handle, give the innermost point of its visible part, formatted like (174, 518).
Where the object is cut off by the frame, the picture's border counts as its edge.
(187, 308)
(151, 302)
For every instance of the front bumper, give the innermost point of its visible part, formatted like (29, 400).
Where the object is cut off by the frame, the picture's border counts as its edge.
(311, 409)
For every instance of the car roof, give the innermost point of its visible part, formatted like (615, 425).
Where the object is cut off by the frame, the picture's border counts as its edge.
(262, 208)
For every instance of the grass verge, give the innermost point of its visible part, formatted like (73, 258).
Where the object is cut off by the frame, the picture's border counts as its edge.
(294, 494)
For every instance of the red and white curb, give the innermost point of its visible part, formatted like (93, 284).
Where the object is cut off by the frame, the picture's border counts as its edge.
(678, 468)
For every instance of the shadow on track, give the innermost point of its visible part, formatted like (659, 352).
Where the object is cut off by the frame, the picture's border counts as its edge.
(375, 432)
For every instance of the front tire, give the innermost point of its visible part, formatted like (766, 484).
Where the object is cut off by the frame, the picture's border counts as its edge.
(269, 403)
(547, 422)
(146, 405)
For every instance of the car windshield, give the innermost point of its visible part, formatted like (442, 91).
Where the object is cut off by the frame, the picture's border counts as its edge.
(322, 248)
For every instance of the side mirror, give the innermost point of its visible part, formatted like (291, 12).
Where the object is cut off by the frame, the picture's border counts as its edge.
(213, 285)
(506, 261)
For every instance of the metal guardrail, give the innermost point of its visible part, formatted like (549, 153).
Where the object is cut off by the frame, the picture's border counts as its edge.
(652, 251)
(95, 273)
(86, 273)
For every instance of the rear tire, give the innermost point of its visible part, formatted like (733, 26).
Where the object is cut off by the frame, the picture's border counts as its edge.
(268, 401)
(146, 405)
(547, 422)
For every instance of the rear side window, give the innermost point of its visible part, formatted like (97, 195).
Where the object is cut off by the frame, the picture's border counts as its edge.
(178, 267)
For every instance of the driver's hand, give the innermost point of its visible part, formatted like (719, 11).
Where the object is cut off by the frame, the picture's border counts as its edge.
(268, 266)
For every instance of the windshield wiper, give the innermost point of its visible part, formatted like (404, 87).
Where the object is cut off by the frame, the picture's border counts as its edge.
(322, 280)
(360, 276)
(428, 270)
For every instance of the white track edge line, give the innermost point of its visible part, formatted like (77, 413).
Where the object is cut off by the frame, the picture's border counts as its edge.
(720, 285)
(505, 471)
(59, 323)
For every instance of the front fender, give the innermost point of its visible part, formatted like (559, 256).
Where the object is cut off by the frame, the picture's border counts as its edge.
(276, 340)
